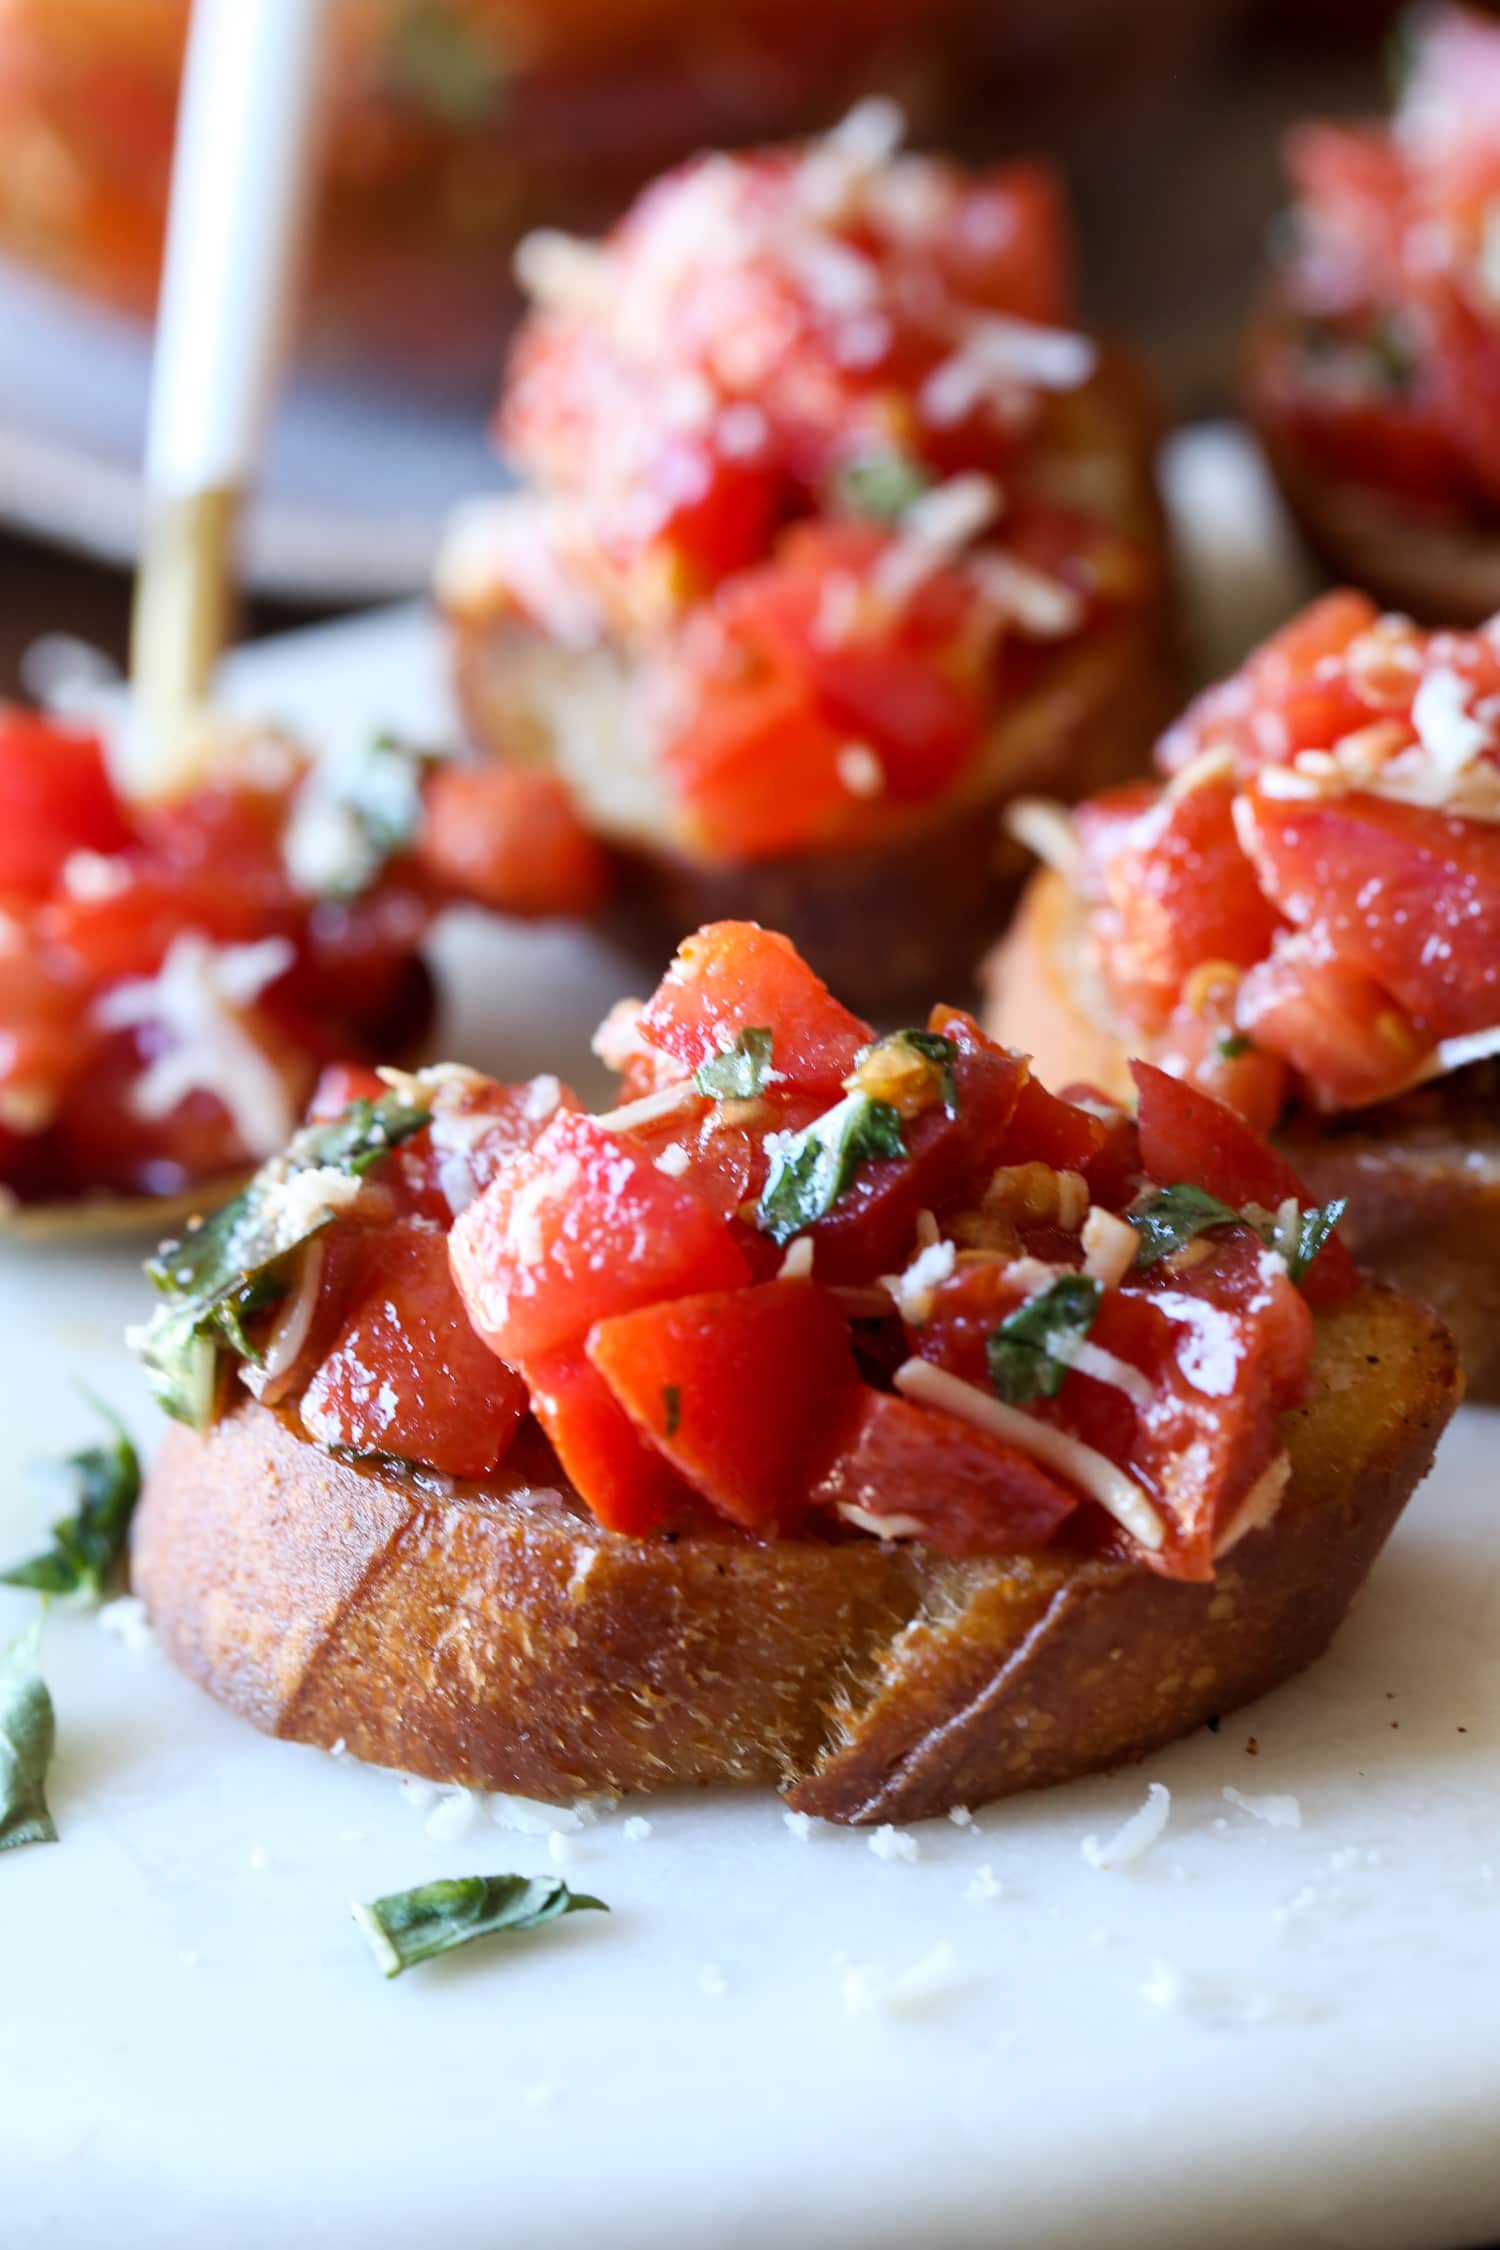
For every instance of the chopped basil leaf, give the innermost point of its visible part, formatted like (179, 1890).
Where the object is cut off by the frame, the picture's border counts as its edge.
(1027, 1353)
(1230, 1045)
(233, 1266)
(442, 63)
(88, 1544)
(883, 485)
(1313, 1229)
(1174, 1216)
(412, 1926)
(812, 1169)
(355, 814)
(1393, 350)
(671, 1409)
(27, 1732)
(739, 1073)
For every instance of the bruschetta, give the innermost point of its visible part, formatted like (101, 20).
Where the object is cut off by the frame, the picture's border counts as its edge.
(1374, 367)
(834, 534)
(1302, 918)
(174, 974)
(837, 1411)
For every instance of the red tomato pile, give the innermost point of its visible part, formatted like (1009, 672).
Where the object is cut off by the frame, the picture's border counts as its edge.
(1384, 367)
(689, 1362)
(729, 413)
(96, 897)
(1313, 903)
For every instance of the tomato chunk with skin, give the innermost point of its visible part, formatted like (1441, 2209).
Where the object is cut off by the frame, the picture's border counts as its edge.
(1412, 897)
(510, 839)
(1187, 1135)
(575, 1228)
(734, 976)
(1045, 1128)
(407, 1375)
(907, 1471)
(1179, 892)
(736, 1389)
(949, 1158)
(628, 1487)
(55, 799)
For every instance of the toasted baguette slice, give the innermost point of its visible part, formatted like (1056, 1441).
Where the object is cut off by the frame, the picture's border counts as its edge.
(496, 1636)
(906, 915)
(1421, 1176)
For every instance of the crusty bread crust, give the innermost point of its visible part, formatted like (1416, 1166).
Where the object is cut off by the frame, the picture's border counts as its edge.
(901, 917)
(496, 1636)
(1421, 1176)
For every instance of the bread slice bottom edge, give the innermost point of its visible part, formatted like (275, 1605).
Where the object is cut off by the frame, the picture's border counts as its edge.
(495, 1636)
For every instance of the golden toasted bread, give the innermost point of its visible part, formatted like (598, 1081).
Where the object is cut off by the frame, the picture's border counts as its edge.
(1421, 1176)
(905, 915)
(494, 1635)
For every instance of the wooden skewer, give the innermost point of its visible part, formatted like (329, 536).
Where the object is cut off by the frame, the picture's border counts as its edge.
(241, 176)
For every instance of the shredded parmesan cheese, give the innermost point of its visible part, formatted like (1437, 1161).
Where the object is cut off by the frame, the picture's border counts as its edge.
(1119, 1494)
(1136, 1836)
(1446, 727)
(1043, 607)
(1259, 1505)
(1088, 1358)
(197, 1000)
(935, 529)
(667, 1101)
(797, 1265)
(1275, 1811)
(1046, 830)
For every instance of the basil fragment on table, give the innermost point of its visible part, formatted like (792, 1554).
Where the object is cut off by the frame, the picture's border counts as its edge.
(28, 1730)
(411, 1926)
(1029, 1354)
(235, 1264)
(738, 1073)
(88, 1544)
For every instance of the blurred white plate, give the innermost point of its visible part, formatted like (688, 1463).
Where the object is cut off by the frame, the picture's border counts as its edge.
(357, 478)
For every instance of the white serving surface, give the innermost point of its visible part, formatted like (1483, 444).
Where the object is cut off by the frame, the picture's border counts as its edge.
(1255, 2037)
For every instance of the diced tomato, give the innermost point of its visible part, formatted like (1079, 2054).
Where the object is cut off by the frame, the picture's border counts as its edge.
(1223, 1348)
(55, 799)
(339, 1086)
(478, 1128)
(407, 1375)
(1045, 1129)
(1355, 184)
(1210, 1039)
(1334, 1024)
(1187, 1135)
(1008, 245)
(917, 1473)
(734, 976)
(758, 766)
(949, 1159)
(578, 1227)
(1288, 697)
(735, 1389)
(1411, 897)
(509, 838)
(1181, 893)
(628, 1486)
(129, 930)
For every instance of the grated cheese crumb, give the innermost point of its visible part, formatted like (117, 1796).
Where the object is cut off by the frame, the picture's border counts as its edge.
(1135, 1838)
(868, 1987)
(636, 1829)
(985, 1885)
(339, 1749)
(452, 1816)
(525, 1816)
(673, 1160)
(561, 1847)
(417, 1793)
(800, 1825)
(860, 770)
(126, 1619)
(960, 1816)
(895, 1843)
(1276, 1812)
